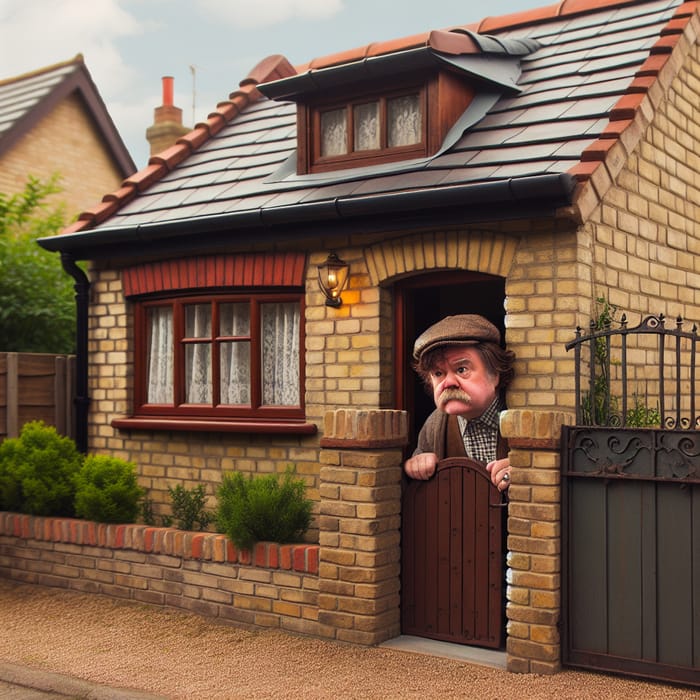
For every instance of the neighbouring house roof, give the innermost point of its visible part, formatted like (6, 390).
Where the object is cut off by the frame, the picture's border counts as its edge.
(585, 70)
(26, 99)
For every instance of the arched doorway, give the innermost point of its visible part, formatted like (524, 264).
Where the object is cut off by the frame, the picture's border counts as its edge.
(466, 543)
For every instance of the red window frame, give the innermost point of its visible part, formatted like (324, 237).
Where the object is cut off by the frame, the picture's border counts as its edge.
(256, 411)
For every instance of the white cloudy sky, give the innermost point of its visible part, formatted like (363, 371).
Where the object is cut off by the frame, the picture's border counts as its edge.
(208, 46)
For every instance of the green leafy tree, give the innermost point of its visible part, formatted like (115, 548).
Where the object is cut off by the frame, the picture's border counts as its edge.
(37, 308)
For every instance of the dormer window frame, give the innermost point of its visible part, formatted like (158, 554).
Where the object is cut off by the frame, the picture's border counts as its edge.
(443, 96)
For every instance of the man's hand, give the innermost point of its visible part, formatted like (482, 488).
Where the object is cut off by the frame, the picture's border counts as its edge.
(500, 473)
(421, 466)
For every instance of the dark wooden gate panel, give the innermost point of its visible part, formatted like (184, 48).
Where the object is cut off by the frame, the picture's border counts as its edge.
(452, 560)
(632, 552)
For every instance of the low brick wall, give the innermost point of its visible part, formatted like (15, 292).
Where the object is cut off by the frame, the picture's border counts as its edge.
(271, 586)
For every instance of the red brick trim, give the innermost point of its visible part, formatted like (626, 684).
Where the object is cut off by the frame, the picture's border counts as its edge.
(205, 546)
(208, 271)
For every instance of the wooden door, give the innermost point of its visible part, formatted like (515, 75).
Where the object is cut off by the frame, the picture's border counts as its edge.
(452, 556)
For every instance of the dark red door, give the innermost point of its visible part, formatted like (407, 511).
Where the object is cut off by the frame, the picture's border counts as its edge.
(452, 556)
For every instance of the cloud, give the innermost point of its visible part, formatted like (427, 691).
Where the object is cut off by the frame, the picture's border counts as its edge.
(42, 32)
(248, 14)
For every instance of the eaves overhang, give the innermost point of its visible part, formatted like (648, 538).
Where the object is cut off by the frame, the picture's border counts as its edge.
(538, 195)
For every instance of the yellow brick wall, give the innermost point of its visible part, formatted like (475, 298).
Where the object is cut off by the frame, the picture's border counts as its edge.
(64, 142)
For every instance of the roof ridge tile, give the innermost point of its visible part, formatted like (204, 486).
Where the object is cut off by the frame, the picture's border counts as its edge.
(77, 60)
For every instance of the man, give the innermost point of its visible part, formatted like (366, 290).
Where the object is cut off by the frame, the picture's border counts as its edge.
(461, 361)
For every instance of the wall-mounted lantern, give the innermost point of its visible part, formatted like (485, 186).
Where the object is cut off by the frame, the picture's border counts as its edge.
(332, 278)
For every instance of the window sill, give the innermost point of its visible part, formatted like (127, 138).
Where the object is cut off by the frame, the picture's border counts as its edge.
(217, 426)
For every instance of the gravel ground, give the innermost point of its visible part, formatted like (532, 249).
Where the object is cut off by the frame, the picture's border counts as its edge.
(181, 655)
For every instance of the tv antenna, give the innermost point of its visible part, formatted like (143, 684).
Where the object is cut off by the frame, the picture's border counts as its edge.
(193, 71)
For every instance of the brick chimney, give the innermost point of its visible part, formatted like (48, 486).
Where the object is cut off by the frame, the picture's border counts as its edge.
(167, 121)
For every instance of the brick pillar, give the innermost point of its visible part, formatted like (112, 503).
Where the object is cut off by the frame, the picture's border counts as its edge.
(359, 522)
(534, 540)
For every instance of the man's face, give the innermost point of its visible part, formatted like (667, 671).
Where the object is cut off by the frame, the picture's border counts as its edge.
(461, 384)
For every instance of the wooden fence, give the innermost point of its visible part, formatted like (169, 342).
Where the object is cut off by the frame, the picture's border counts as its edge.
(36, 387)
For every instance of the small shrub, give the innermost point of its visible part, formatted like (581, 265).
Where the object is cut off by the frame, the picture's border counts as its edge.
(188, 508)
(643, 416)
(37, 472)
(263, 509)
(107, 490)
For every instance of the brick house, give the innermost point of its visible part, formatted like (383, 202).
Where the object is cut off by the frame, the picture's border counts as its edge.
(519, 168)
(55, 122)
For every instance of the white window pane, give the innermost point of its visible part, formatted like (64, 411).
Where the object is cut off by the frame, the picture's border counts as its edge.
(160, 355)
(198, 321)
(334, 133)
(280, 354)
(198, 373)
(366, 126)
(234, 383)
(405, 121)
(234, 320)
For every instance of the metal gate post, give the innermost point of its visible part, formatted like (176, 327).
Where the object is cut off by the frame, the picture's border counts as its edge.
(533, 606)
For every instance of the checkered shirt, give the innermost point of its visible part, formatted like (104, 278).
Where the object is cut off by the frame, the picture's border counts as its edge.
(481, 434)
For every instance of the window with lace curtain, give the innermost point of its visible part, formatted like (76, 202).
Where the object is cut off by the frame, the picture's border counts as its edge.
(365, 130)
(229, 356)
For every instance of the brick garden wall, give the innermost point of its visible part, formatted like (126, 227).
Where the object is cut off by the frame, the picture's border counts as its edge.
(271, 586)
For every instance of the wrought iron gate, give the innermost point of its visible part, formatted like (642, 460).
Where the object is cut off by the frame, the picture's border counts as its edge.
(631, 510)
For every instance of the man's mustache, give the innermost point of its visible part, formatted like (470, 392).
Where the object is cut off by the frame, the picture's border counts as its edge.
(454, 395)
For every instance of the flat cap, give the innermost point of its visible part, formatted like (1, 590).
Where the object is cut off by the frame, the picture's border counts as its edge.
(465, 329)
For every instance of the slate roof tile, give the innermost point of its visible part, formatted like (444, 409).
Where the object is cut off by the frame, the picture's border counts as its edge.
(581, 91)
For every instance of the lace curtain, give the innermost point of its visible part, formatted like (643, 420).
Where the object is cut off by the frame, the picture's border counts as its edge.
(160, 355)
(366, 121)
(234, 356)
(405, 121)
(198, 355)
(334, 133)
(280, 354)
(280, 324)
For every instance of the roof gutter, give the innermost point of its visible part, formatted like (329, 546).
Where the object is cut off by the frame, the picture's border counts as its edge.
(545, 192)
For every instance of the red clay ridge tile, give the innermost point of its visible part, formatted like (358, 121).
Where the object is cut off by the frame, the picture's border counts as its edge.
(687, 8)
(653, 65)
(626, 106)
(676, 25)
(123, 194)
(214, 124)
(172, 155)
(146, 176)
(641, 83)
(614, 129)
(584, 170)
(598, 150)
(492, 24)
(228, 110)
(102, 211)
(453, 43)
(379, 48)
(76, 227)
(273, 67)
(665, 44)
(194, 138)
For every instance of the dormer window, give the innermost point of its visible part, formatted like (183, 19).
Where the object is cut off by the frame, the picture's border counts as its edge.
(400, 105)
(362, 130)
(376, 125)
